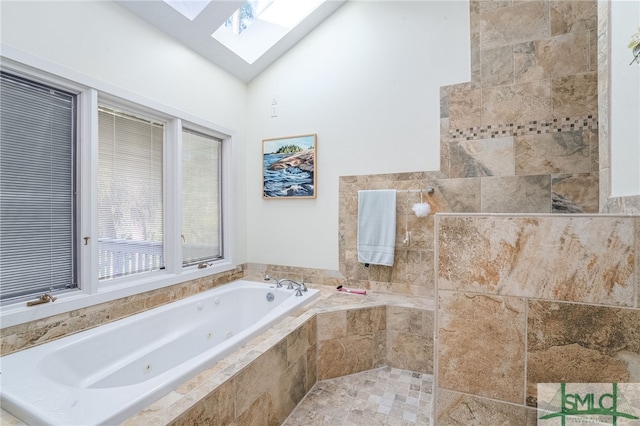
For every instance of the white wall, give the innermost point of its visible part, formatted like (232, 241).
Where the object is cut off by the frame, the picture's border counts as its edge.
(100, 41)
(367, 82)
(625, 101)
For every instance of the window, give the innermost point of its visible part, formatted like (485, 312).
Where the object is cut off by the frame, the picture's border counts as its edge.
(103, 196)
(269, 20)
(130, 188)
(201, 203)
(37, 186)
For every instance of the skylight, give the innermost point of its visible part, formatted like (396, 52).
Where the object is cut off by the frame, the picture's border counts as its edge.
(188, 8)
(259, 24)
(247, 13)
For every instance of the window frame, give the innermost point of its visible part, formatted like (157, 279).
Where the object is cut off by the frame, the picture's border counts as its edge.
(92, 92)
(47, 84)
(188, 129)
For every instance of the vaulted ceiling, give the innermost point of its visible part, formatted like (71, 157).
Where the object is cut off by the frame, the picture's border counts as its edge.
(196, 34)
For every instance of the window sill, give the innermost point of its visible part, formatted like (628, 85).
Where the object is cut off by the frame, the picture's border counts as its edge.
(20, 313)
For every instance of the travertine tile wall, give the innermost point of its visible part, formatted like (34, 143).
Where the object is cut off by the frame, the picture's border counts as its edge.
(527, 124)
(412, 272)
(355, 340)
(532, 299)
(521, 137)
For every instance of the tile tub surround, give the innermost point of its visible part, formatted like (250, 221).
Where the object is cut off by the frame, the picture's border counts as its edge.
(531, 299)
(23, 336)
(262, 382)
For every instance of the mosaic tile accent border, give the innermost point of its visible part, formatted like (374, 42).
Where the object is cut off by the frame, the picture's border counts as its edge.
(567, 124)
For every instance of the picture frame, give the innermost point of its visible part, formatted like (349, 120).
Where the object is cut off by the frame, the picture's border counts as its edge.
(289, 167)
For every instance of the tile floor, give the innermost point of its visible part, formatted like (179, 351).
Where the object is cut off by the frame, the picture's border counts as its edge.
(384, 396)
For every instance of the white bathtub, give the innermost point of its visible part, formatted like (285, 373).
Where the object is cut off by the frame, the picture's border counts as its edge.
(107, 374)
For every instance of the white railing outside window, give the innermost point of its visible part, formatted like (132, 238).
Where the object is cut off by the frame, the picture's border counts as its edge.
(118, 257)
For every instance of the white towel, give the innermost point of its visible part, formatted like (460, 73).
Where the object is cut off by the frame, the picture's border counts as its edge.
(376, 227)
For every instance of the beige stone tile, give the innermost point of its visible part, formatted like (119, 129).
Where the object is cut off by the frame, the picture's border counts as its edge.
(629, 205)
(217, 407)
(575, 193)
(482, 157)
(586, 259)
(486, 5)
(593, 137)
(605, 191)
(548, 153)
(517, 103)
(299, 341)
(311, 376)
(481, 345)
(331, 325)
(572, 16)
(344, 356)
(410, 351)
(380, 273)
(497, 66)
(256, 378)
(520, 23)
(465, 108)
(516, 194)
(456, 195)
(366, 320)
(553, 57)
(593, 50)
(575, 96)
(421, 228)
(379, 351)
(254, 414)
(411, 266)
(444, 101)
(457, 409)
(286, 392)
(409, 320)
(578, 343)
(444, 151)
(476, 63)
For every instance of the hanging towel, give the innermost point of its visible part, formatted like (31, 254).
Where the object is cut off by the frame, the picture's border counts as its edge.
(376, 227)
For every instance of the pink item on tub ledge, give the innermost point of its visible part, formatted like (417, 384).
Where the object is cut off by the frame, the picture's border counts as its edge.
(351, 290)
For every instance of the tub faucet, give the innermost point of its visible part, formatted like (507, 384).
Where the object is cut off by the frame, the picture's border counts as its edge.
(45, 298)
(299, 287)
(278, 282)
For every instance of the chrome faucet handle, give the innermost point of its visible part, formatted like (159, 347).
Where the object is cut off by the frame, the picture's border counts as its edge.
(278, 282)
(303, 285)
(298, 291)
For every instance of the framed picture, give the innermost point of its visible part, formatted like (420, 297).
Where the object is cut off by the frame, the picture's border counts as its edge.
(289, 167)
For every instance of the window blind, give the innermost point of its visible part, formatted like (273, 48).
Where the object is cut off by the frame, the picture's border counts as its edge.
(130, 194)
(201, 198)
(37, 175)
